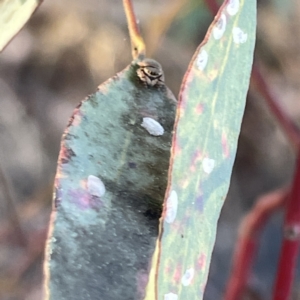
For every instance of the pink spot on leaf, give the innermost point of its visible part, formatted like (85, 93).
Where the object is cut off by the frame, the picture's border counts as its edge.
(199, 109)
(225, 146)
(168, 268)
(177, 226)
(84, 200)
(177, 274)
(201, 261)
(197, 157)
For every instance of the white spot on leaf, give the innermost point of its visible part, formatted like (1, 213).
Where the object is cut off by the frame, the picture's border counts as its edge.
(152, 126)
(188, 277)
(171, 296)
(208, 165)
(202, 59)
(95, 186)
(239, 37)
(220, 27)
(233, 7)
(172, 204)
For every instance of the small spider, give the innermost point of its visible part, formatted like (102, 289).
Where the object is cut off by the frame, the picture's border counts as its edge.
(150, 72)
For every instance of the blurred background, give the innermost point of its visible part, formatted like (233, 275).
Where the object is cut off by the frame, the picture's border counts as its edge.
(64, 52)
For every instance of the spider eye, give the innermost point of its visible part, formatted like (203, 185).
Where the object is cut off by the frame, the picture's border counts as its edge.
(153, 73)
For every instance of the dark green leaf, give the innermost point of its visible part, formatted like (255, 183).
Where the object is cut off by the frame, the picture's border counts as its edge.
(109, 188)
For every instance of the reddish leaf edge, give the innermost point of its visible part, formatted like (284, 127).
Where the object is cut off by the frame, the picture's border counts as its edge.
(287, 125)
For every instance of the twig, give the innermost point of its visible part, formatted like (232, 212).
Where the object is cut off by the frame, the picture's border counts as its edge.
(291, 240)
(287, 125)
(248, 240)
(137, 43)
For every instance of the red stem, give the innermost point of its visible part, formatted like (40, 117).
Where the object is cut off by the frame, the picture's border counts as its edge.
(287, 125)
(246, 246)
(291, 240)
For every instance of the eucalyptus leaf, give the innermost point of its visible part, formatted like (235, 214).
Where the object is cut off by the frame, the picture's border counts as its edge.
(13, 16)
(109, 188)
(210, 110)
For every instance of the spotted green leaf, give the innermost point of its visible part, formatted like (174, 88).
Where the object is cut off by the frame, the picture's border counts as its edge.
(207, 127)
(109, 188)
(13, 15)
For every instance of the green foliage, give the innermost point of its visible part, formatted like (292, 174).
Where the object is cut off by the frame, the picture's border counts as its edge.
(13, 15)
(109, 188)
(210, 111)
(113, 174)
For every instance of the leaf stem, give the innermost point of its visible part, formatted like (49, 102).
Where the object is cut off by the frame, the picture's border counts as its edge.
(249, 233)
(138, 48)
